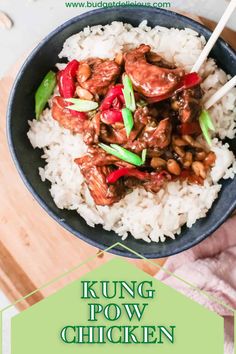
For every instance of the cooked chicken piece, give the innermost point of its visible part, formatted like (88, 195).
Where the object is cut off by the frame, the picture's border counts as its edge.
(99, 157)
(92, 129)
(188, 104)
(72, 120)
(103, 74)
(157, 181)
(116, 133)
(113, 134)
(156, 59)
(95, 177)
(152, 182)
(149, 79)
(154, 135)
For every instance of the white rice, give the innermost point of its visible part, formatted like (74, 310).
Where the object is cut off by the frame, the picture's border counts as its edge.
(147, 216)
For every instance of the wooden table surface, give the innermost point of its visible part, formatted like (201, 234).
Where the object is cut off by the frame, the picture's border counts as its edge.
(34, 249)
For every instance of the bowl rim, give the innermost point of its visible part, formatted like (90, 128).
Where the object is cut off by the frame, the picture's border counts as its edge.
(117, 251)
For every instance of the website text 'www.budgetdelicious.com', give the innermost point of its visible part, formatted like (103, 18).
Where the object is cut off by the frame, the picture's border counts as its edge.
(107, 4)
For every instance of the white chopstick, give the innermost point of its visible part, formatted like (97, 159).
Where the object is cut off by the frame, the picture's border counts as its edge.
(212, 40)
(220, 93)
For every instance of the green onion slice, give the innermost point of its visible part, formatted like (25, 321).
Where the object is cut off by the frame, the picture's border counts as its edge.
(206, 124)
(128, 120)
(128, 93)
(82, 105)
(122, 154)
(208, 120)
(144, 156)
(44, 92)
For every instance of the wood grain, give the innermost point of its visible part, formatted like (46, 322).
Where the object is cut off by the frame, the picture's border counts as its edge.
(34, 249)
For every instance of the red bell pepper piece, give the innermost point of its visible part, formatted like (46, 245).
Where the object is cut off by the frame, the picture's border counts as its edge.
(66, 79)
(112, 105)
(117, 104)
(117, 174)
(189, 128)
(111, 116)
(110, 101)
(124, 171)
(188, 81)
(114, 176)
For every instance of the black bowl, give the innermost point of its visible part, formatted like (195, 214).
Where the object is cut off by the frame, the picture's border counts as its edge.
(27, 160)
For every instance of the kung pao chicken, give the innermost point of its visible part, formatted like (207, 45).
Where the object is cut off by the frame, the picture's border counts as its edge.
(140, 117)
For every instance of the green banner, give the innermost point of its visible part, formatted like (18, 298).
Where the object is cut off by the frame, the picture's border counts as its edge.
(117, 308)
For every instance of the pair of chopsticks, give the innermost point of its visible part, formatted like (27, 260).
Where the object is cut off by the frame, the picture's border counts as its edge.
(204, 54)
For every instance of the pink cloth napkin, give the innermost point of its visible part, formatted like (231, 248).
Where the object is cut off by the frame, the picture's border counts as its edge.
(211, 266)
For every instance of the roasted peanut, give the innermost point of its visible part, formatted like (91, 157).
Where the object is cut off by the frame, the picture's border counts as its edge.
(199, 169)
(119, 58)
(84, 72)
(175, 105)
(200, 155)
(188, 159)
(189, 139)
(179, 151)
(157, 162)
(210, 159)
(173, 167)
(83, 93)
(178, 141)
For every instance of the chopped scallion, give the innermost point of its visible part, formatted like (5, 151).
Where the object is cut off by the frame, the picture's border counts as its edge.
(82, 105)
(144, 155)
(128, 120)
(128, 93)
(206, 124)
(44, 92)
(208, 120)
(122, 154)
